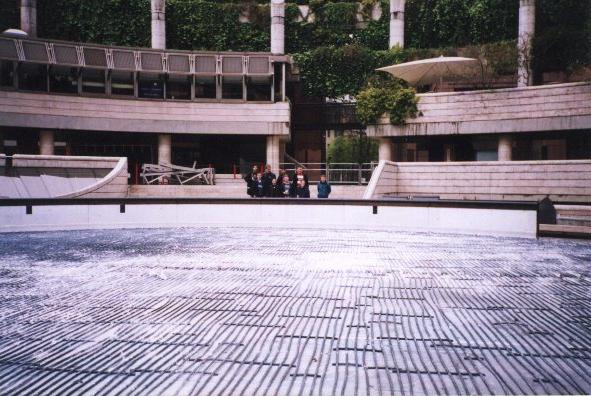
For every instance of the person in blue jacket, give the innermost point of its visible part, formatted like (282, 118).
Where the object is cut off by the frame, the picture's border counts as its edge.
(323, 187)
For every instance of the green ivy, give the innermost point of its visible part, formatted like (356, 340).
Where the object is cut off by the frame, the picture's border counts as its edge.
(334, 55)
(337, 71)
(393, 99)
(353, 149)
(563, 36)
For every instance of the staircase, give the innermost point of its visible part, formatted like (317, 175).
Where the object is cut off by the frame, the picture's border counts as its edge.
(573, 215)
(226, 187)
(571, 221)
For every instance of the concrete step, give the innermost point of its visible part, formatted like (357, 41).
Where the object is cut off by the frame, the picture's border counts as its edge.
(573, 215)
(574, 221)
(565, 231)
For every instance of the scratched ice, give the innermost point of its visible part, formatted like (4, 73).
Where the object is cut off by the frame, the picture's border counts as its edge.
(250, 311)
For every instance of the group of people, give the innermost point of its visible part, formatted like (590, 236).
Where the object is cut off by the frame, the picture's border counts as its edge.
(267, 184)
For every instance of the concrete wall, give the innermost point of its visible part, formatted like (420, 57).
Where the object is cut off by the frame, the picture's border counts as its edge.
(541, 108)
(516, 180)
(33, 110)
(38, 176)
(481, 221)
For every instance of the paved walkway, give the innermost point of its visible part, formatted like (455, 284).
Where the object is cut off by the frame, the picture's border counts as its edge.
(250, 311)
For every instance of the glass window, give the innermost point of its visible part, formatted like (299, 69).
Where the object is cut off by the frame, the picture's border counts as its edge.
(122, 83)
(6, 73)
(205, 87)
(63, 79)
(178, 87)
(259, 88)
(232, 87)
(32, 77)
(151, 85)
(93, 81)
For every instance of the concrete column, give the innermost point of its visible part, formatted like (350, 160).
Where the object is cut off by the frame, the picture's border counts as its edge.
(46, 145)
(29, 17)
(159, 24)
(385, 150)
(527, 27)
(164, 149)
(273, 152)
(278, 27)
(505, 149)
(397, 23)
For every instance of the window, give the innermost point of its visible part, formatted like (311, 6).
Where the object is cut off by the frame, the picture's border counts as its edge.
(32, 77)
(151, 85)
(93, 81)
(6, 73)
(232, 87)
(122, 83)
(259, 88)
(63, 79)
(205, 87)
(178, 87)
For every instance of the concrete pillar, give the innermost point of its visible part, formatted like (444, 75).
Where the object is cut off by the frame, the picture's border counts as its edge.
(159, 24)
(46, 144)
(278, 27)
(273, 152)
(527, 27)
(505, 150)
(397, 23)
(385, 149)
(164, 148)
(29, 17)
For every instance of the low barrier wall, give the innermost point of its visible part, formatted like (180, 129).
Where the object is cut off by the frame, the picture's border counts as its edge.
(479, 218)
(562, 181)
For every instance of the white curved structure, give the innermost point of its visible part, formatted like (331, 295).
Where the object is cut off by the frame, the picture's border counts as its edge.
(38, 176)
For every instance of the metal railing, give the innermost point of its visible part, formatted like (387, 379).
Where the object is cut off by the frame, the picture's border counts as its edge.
(336, 173)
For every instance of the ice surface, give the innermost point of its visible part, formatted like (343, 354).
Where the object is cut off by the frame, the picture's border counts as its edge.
(250, 311)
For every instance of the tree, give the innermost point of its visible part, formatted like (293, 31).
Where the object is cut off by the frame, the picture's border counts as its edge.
(353, 149)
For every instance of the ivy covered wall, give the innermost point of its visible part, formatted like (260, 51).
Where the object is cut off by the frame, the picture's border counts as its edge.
(208, 24)
(334, 50)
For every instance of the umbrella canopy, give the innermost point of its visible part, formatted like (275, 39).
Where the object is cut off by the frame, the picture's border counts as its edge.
(434, 70)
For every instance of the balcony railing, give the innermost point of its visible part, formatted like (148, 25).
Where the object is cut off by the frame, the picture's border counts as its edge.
(80, 68)
(336, 173)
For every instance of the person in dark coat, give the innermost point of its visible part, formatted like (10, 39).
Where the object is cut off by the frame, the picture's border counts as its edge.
(300, 183)
(259, 186)
(280, 175)
(285, 188)
(323, 187)
(268, 177)
(276, 189)
(250, 180)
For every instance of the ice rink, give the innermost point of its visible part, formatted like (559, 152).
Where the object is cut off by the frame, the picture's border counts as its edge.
(251, 311)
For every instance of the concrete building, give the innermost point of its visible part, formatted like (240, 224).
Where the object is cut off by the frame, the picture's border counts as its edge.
(548, 122)
(230, 110)
(149, 105)
(226, 110)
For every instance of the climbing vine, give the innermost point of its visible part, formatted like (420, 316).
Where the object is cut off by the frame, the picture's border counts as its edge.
(392, 98)
(336, 44)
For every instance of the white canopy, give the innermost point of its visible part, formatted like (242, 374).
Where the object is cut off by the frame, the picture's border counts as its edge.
(433, 70)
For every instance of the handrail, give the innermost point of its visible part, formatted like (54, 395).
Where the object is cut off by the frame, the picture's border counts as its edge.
(295, 161)
(373, 182)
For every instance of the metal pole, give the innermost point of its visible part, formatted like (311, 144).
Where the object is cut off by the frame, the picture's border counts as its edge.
(359, 174)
